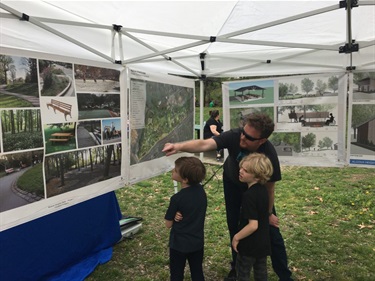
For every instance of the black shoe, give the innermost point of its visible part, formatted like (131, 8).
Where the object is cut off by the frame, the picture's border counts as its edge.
(231, 276)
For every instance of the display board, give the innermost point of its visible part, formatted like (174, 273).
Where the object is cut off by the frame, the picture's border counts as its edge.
(308, 111)
(60, 140)
(161, 110)
(65, 130)
(361, 124)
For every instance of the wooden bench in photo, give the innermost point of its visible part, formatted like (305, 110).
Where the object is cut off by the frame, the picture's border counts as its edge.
(60, 106)
(58, 140)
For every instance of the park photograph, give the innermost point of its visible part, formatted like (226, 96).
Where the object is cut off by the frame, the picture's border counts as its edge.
(294, 117)
(21, 129)
(362, 133)
(56, 79)
(98, 105)
(18, 82)
(364, 86)
(95, 79)
(69, 171)
(308, 87)
(238, 115)
(89, 133)
(111, 129)
(59, 137)
(21, 179)
(242, 93)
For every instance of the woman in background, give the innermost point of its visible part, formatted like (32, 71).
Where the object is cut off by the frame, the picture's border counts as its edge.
(214, 127)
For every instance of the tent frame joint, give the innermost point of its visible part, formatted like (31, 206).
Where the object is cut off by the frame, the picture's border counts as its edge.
(118, 62)
(116, 27)
(212, 39)
(344, 4)
(349, 48)
(25, 17)
(350, 68)
(203, 77)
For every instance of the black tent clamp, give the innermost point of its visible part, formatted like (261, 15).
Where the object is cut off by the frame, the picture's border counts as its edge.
(25, 17)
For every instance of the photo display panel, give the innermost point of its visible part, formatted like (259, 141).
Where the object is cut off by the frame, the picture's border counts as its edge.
(361, 125)
(309, 119)
(61, 136)
(161, 110)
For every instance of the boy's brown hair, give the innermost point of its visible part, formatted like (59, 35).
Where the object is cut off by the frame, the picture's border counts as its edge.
(190, 168)
(259, 165)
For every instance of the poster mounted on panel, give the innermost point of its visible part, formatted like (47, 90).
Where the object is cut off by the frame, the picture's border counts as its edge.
(361, 131)
(161, 110)
(60, 138)
(308, 116)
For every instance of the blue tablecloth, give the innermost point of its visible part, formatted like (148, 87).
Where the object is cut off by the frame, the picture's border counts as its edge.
(65, 245)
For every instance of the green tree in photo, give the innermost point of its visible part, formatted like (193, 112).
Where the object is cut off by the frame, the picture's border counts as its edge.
(283, 90)
(308, 141)
(326, 142)
(6, 64)
(293, 89)
(333, 83)
(307, 85)
(320, 87)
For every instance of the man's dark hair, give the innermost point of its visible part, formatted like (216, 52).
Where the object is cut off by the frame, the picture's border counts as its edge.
(262, 123)
(190, 168)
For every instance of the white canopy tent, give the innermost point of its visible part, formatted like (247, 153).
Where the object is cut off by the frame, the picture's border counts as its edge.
(197, 38)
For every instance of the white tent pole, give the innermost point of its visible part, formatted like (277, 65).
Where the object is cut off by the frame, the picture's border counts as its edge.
(365, 44)
(369, 63)
(113, 44)
(201, 113)
(185, 67)
(281, 21)
(277, 44)
(366, 3)
(62, 22)
(273, 61)
(162, 53)
(166, 34)
(57, 33)
(121, 50)
(172, 50)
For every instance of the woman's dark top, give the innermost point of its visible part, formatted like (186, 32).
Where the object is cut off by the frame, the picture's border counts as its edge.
(207, 131)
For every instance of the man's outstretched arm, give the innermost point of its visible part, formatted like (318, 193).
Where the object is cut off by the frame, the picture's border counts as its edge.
(190, 146)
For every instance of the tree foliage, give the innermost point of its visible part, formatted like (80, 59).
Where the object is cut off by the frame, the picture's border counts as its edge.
(308, 141)
(307, 85)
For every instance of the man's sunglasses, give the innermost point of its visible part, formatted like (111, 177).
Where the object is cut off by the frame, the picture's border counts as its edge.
(250, 138)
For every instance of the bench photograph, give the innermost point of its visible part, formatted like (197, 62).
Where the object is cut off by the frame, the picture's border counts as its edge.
(63, 107)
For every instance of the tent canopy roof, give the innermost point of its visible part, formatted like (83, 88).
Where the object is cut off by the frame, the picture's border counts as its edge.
(196, 38)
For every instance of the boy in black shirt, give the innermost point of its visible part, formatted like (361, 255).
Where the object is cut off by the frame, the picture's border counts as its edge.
(186, 240)
(252, 241)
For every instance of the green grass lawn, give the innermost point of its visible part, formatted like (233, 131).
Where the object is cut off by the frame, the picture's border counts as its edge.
(326, 217)
(8, 101)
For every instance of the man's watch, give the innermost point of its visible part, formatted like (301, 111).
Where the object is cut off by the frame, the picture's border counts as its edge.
(270, 213)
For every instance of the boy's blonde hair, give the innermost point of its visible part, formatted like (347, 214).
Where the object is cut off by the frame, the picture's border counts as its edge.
(190, 168)
(259, 165)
